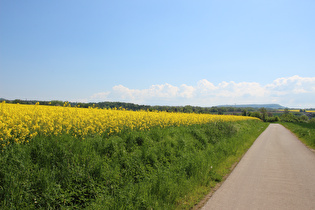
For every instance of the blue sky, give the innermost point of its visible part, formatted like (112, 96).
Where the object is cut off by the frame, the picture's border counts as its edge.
(159, 52)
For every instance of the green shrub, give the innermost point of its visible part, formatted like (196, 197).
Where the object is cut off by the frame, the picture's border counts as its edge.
(256, 114)
(312, 121)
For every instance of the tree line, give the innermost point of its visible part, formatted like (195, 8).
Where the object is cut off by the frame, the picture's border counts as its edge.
(136, 107)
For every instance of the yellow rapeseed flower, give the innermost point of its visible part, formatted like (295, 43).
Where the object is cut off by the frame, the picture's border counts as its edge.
(20, 123)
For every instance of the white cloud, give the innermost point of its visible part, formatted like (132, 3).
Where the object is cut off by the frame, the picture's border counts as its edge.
(100, 95)
(187, 91)
(294, 84)
(285, 91)
(232, 89)
(205, 86)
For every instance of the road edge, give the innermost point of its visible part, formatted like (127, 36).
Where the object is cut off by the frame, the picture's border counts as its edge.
(203, 202)
(312, 150)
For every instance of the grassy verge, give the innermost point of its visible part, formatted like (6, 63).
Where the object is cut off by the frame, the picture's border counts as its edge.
(304, 131)
(160, 169)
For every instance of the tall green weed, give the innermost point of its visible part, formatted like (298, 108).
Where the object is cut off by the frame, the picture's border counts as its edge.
(158, 169)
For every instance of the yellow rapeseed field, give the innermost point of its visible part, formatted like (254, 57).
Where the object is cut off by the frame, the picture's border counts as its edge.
(21, 123)
(297, 110)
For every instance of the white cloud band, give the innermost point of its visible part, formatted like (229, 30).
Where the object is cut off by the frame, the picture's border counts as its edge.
(292, 91)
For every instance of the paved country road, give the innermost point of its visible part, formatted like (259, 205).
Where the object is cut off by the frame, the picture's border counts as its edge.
(277, 172)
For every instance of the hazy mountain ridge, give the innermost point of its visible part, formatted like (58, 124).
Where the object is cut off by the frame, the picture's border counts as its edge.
(267, 106)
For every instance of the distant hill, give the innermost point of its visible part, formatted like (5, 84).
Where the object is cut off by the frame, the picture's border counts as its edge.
(257, 106)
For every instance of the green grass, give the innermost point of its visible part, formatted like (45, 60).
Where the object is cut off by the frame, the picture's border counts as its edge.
(160, 169)
(304, 131)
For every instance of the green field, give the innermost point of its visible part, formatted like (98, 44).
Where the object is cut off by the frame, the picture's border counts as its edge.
(160, 169)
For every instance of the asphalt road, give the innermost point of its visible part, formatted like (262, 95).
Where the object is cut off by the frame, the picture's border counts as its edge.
(277, 172)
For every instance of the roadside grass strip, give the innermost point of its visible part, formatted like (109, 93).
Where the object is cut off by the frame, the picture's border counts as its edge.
(160, 168)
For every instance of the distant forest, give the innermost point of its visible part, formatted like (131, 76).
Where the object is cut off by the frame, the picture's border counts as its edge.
(135, 107)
